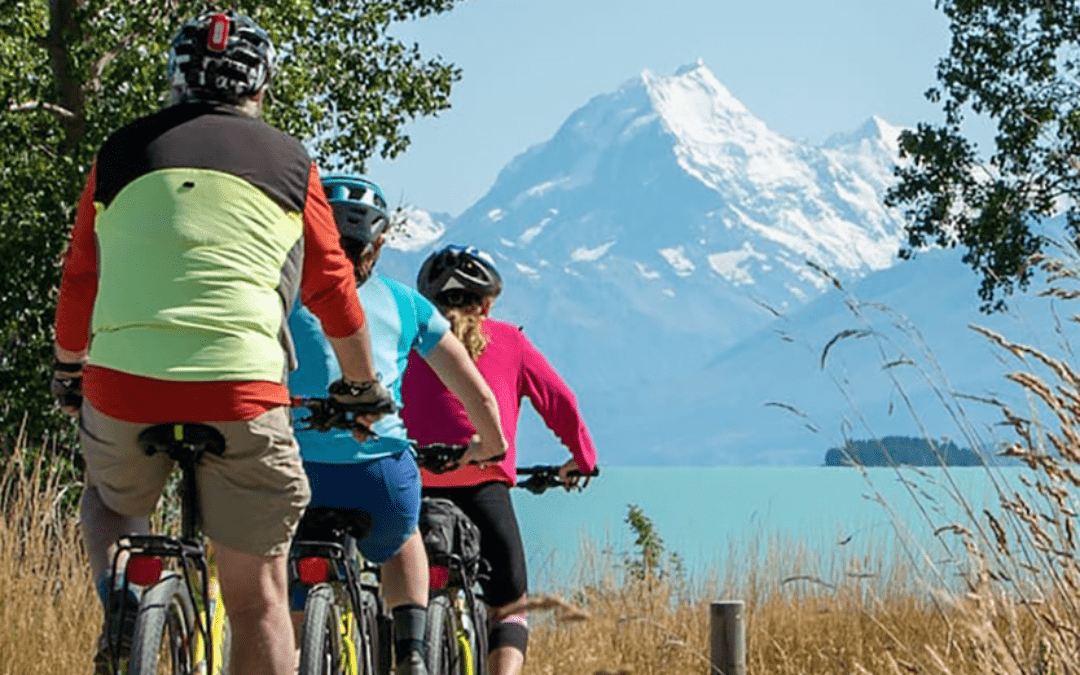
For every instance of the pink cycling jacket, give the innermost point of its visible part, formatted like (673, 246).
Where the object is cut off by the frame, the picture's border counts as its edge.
(514, 369)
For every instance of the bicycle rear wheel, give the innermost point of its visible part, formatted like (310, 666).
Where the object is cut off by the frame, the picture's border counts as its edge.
(450, 649)
(164, 639)
(373, 653)
(320, 637)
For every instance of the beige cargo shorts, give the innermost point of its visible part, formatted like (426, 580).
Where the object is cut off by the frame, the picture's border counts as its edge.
(251, 497)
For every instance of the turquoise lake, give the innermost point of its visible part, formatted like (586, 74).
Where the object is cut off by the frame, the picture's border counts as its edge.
(712, 517)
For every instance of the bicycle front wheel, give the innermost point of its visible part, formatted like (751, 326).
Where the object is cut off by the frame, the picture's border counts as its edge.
(164, 640)
(320, 637)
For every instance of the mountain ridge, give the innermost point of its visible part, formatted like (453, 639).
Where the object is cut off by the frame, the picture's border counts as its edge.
(663, 225)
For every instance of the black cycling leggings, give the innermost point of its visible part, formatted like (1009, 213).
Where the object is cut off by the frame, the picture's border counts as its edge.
(489, 506)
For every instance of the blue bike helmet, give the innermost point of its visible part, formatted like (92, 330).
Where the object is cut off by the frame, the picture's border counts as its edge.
(359, 207)
(220, 56)
(452, 273)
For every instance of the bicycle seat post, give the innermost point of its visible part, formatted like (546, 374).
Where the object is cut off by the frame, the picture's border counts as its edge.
(190, 512)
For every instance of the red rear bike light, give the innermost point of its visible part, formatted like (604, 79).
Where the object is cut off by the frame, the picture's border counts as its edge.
(438, 577)
(144, 570)
(313, 570)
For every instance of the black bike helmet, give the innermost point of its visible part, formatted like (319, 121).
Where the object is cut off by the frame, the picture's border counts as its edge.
(220, 56)
(359, 207)
(455, 269)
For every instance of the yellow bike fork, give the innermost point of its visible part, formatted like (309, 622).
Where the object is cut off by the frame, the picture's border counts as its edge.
(462, 637)
(466, 651)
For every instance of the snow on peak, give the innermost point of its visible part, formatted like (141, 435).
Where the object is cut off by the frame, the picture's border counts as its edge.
(874, 130)
(413, 230)
(696, 88)
(717, 138)
(690, 67)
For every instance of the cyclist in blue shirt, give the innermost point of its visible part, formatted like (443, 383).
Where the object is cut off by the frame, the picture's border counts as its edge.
(379, 475)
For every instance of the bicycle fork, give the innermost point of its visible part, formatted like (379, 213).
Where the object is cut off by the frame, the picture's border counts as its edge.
(462, 634)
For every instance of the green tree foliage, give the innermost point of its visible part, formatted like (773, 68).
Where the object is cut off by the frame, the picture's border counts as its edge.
(73, 71)
(1014, 63)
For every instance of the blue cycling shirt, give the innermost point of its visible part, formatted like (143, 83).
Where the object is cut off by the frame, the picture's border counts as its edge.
(399, 320)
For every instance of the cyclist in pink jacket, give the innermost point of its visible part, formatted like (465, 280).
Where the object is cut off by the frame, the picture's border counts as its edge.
(463, 283)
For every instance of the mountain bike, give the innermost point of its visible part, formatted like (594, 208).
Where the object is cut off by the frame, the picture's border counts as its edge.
(346, 628)
(457, 622)
(180, 626)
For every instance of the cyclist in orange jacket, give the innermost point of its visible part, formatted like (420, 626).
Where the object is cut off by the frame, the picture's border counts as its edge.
(197, 227)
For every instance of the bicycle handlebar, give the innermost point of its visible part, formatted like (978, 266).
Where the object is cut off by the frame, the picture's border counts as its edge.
(542, 477)
(440, 457)
(326, 414)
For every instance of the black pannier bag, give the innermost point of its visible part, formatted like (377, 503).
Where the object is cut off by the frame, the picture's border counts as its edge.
(447, 531)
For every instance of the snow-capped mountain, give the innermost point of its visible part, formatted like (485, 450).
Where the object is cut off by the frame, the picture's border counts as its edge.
(664, 223)
(666, 214)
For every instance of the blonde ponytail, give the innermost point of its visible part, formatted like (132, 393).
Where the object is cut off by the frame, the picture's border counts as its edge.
(465, 322)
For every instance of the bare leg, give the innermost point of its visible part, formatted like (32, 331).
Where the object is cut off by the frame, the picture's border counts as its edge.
(101, 527)
(506, 661)
(405, 576)
(405, 589)
(255, 591)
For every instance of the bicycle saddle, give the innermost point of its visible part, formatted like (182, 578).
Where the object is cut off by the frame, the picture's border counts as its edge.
(182, 440)
(328, 523)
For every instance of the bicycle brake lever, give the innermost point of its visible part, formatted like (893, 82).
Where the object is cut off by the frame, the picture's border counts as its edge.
(536, 484)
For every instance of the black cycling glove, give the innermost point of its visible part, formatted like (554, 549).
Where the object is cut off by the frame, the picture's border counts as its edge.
(362, 398)
(66, 386)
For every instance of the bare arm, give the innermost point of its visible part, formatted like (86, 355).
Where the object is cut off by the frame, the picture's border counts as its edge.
(457, 371)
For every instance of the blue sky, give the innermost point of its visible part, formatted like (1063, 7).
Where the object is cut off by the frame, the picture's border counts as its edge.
(807, 68)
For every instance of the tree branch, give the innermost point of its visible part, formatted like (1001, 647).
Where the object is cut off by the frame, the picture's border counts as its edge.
(30, 106)
(94, 83)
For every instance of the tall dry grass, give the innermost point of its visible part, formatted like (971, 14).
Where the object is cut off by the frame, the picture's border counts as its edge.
(803, 616)
(49, 614)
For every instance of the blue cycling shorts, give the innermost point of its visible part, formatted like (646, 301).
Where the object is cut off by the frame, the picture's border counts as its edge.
(387, 488)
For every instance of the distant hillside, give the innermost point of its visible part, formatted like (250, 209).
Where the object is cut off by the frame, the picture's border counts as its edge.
(902, 450)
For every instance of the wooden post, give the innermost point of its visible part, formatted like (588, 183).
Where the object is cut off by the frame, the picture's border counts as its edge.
(727, 638)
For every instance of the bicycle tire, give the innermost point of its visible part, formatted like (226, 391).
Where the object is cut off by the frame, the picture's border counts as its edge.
(370, 652)
(479, 637)
(446, 655)
(320, 636)
(164, 627)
